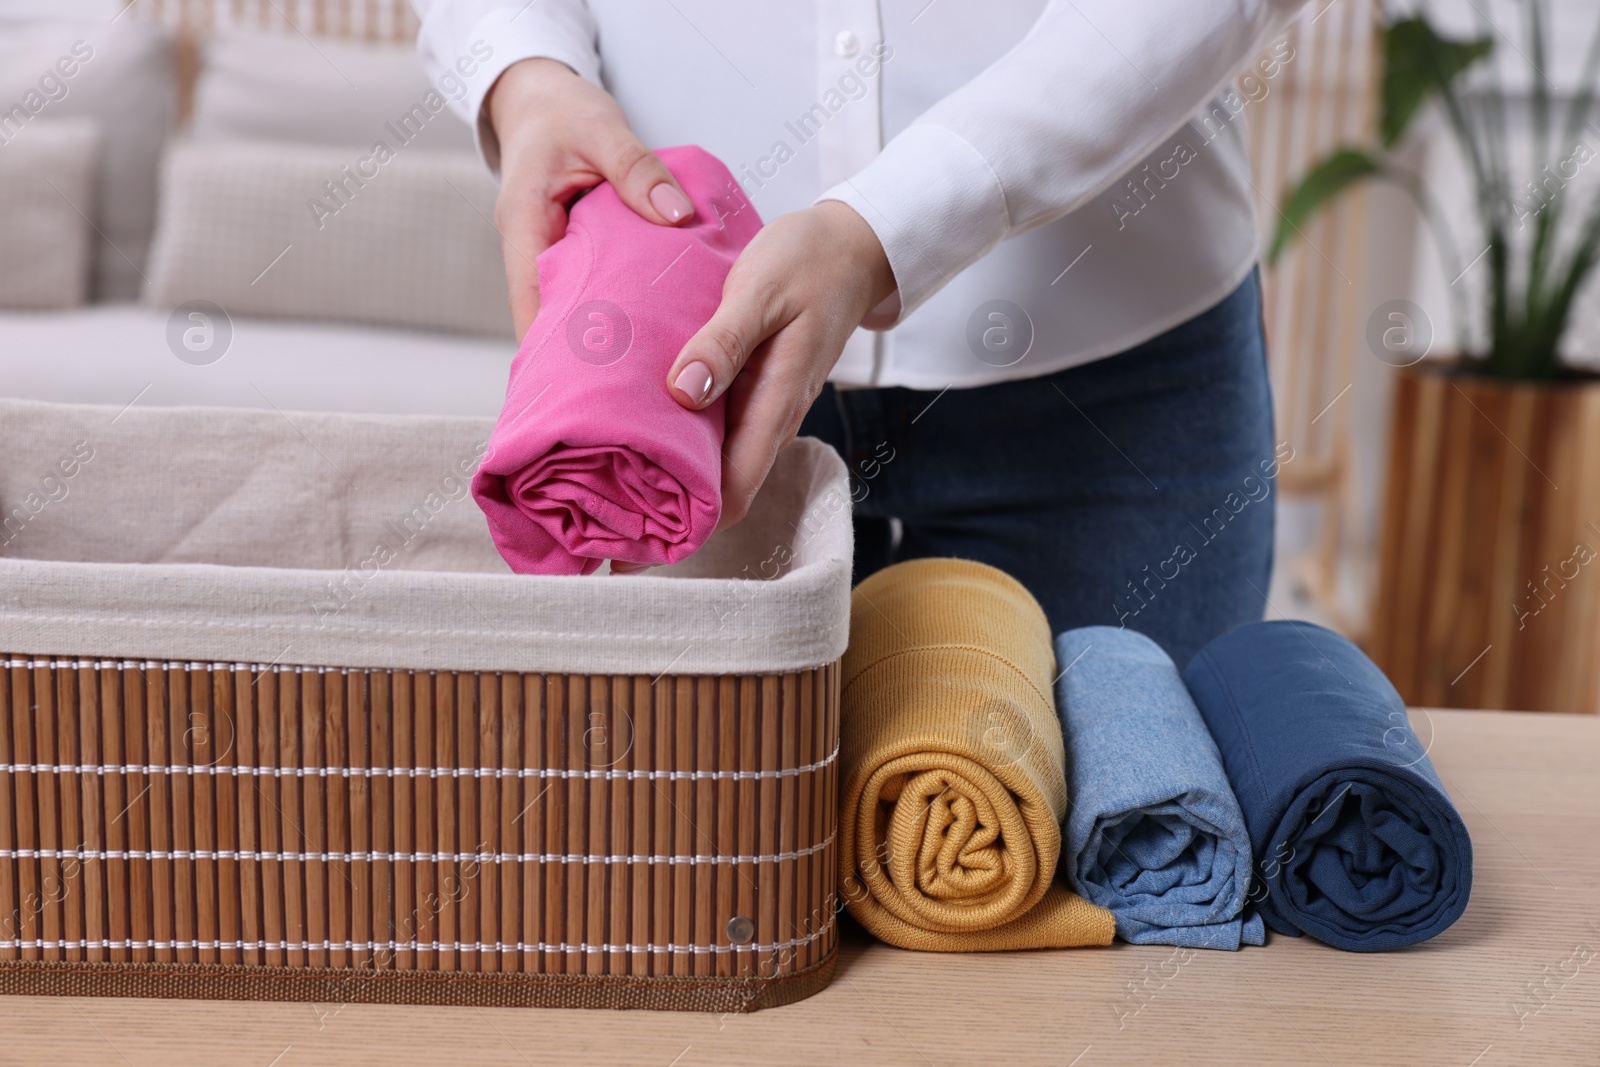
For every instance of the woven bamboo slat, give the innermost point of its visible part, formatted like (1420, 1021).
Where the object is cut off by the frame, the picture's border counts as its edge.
(266, 832)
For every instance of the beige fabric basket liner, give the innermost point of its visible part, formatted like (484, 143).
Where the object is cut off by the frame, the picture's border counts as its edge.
(248, 536)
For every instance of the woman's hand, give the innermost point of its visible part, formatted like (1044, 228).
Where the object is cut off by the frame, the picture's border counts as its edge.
(560, 135)
(791, 301)
(793, 298)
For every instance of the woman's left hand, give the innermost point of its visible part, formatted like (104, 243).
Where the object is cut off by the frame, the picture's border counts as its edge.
(792, 299)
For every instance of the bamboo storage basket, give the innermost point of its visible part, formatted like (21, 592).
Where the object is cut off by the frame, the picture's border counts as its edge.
(243, 756)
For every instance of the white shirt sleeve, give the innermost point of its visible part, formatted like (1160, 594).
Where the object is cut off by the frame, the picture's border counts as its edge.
(1094, 87)
(456, 34)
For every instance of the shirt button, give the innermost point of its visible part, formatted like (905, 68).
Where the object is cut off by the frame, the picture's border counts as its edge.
(846, 44)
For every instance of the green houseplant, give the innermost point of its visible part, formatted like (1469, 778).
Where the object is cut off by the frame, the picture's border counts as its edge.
(1534, 275)
(1491, 513)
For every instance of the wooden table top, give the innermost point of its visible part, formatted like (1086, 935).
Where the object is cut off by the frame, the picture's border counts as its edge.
(1516, 980)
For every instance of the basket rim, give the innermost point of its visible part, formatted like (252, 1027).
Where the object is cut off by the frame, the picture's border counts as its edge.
(770, 594)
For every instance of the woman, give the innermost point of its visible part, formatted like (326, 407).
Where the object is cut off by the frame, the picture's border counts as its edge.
(1008, 270)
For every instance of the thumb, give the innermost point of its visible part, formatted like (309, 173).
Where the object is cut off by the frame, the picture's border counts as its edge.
(713, 357)
(643, 182)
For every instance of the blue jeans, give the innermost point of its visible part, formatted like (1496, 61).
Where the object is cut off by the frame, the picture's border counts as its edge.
(1135, 490)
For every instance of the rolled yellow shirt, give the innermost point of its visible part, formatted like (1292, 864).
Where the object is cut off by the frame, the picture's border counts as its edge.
(953, 771)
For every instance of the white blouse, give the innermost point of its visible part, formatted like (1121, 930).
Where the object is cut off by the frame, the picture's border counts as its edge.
(1037, 170)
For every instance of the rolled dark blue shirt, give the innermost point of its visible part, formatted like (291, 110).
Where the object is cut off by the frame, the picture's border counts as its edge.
(1356, 842)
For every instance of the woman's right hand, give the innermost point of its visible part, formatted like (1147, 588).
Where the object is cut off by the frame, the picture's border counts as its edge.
(559, 135)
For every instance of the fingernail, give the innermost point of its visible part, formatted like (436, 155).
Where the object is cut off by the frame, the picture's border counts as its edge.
(694, 381)
(673, 205)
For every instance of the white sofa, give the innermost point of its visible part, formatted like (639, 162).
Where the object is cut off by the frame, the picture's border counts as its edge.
(324, 329)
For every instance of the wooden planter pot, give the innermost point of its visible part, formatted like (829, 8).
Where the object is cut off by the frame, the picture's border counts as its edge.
(1489, 577)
